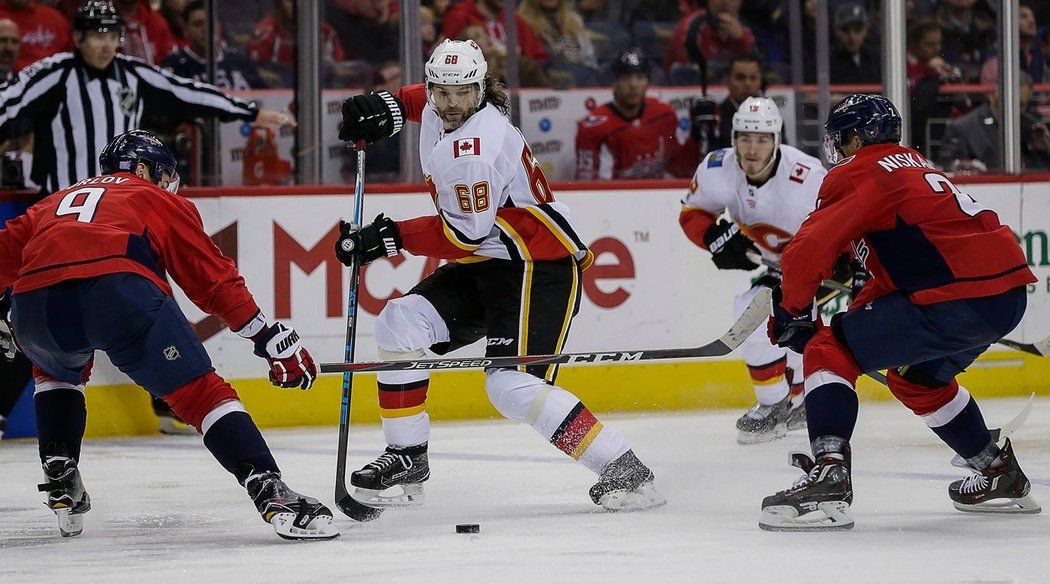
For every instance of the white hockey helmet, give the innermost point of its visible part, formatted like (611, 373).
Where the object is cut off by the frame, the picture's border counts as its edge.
(457, 63)
(760, 115)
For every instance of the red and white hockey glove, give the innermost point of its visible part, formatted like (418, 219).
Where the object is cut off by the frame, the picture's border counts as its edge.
(290, 364)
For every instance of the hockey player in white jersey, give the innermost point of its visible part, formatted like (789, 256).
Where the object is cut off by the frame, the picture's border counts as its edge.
(514, 277)
(767, 188)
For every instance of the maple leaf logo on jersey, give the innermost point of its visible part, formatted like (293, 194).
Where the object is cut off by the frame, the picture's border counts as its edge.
(466, 147)
(799, 173)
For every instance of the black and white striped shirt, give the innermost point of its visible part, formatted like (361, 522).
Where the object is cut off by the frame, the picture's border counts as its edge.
(76, 110)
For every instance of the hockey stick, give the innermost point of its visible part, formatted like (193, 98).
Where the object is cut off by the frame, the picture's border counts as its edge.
(753, 316)
(1041, 348)
(351, 507)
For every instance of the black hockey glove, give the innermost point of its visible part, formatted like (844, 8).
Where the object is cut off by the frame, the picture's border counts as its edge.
(729, 247)
(371, 117)
(379, 239)
(786, 329)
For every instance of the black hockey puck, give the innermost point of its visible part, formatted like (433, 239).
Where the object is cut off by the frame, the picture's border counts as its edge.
(468, 528)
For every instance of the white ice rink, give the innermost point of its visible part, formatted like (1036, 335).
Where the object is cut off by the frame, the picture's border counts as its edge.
(164, 511)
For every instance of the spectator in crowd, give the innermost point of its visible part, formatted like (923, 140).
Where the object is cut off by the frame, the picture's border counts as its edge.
(172, 11)
(44, 30)
(561, 30)
(438, 8)
(275, 40)
(968, 29)
(1033, 60)
(971, 141)
(593, 10)
(633, 136)
(10, 46)
(530, 71)
(927, 69)
(146, 33)
(715, 35)
(232, 69)
(743, 80)
(489, 14)
(768, 22)
(852, 60)
(366, 29)
(428, 30)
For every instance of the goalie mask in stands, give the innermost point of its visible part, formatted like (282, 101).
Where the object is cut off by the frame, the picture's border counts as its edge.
(98, 16)
(127, 150)
(456, 63)
(758, 115)
(873, 118)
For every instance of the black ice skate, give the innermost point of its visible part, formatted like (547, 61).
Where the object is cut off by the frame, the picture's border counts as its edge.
(65, 494)
(626, 485)
(404, 469)
(764, 423)
(1002, 489)
(292, 515)
(819, 500)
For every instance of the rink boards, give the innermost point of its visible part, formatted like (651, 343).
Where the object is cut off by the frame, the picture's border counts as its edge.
(649, 288)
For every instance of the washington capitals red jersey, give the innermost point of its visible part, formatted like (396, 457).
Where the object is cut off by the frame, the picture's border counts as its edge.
(121, 223)
(609, 146)
(910, 226)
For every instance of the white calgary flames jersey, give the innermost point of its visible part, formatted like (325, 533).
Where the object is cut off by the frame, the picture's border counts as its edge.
(769, 214)
(491, 194)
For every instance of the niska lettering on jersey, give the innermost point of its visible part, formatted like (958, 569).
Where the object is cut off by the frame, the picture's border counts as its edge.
(466, 147)
(903, 160)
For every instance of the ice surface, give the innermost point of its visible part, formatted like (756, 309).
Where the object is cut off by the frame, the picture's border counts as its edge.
(164, 511)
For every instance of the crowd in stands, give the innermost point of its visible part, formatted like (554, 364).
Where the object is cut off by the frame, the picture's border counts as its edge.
(571, 43)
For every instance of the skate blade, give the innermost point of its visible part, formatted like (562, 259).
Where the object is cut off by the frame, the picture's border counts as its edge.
(1024, 505)
(748, 438)
(319, 527)
(69, 524)
(829, 516)
(410, 496)
(643, 498)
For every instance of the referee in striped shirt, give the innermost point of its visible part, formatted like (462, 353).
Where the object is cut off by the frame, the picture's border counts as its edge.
(78, 101)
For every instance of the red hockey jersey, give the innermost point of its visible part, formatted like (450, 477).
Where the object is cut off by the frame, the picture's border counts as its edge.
(121, 223)
(910, 226)
(609, 146)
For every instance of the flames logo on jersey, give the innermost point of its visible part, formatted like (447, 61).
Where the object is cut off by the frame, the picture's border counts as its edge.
(466, 147)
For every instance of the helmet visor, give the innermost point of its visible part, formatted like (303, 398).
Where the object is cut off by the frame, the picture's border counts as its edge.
(833, 147)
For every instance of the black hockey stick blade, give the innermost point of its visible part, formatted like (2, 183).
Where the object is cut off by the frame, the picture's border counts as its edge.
(756, 313)
(1041, 348)
(357, 510)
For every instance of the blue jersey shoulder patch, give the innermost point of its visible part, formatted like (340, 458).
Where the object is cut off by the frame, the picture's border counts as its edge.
(714, 160)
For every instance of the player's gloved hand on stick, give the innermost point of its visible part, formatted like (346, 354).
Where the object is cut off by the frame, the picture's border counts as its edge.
(860, 279)
(788, 330)
(729, 247)
(8, 345)
(379, 239)
(290, 364)
(371, 117)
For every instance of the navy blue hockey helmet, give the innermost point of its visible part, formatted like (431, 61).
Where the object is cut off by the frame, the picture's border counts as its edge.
(872, 117)
(98, 16)
(125, 151)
